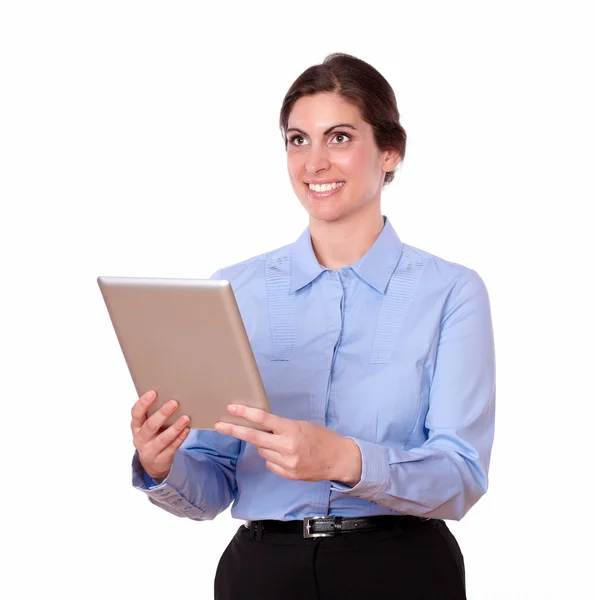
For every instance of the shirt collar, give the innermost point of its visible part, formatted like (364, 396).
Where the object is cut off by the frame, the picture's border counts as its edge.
(375, 267)
(305, 267)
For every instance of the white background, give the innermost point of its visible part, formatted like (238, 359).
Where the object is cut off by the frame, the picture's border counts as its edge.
(140, 138)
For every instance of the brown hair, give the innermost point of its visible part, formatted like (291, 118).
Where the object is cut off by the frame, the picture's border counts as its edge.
(359, 83)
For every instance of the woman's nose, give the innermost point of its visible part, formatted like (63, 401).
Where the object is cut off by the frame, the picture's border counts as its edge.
(317, 159)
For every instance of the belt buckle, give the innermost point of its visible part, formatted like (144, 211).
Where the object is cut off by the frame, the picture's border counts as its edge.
(307, 527)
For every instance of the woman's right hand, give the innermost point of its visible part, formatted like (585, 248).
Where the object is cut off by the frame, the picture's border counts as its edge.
(157, 445)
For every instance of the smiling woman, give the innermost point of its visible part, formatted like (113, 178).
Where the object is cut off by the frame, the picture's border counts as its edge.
(336, 169)
(378, 362)
(344, 140)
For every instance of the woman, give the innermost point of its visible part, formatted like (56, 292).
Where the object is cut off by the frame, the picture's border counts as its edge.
(378, 362)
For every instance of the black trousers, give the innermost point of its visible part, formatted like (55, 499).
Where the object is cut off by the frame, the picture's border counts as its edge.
(420, 562)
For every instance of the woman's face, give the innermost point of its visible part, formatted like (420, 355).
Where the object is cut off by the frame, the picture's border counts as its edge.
(330, 145)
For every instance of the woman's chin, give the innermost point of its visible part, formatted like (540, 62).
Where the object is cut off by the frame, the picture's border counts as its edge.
(324, 211)
(326, 215)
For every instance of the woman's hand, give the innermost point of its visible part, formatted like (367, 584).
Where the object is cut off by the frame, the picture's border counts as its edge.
(298, 450)
(157, 445)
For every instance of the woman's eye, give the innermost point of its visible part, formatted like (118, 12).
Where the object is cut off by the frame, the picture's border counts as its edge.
(341, 138)
(297, 140)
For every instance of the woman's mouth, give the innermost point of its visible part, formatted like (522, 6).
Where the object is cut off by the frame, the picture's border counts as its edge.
(324, 190)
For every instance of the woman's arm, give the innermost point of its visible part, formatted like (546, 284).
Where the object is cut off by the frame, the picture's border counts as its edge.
(445, 476)
(201, 483)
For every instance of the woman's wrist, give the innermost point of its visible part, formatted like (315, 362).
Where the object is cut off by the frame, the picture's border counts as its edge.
(350, 463)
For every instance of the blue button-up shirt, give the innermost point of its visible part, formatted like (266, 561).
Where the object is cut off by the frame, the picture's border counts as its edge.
(395, 352)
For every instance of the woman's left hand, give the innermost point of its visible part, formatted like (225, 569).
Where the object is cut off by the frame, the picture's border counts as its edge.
(298, 450)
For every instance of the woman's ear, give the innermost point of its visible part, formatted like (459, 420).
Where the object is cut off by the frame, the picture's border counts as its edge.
(391, 159)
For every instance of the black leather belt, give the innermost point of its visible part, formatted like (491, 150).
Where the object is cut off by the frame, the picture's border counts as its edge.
(315, 527)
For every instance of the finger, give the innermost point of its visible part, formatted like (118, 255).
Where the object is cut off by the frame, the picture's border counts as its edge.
(278, 470)
(152, 426)
(248, 434)
(163, 440)
(287, 463)
(269, 421)
(169, 451)
(272, 456)
(139, 410)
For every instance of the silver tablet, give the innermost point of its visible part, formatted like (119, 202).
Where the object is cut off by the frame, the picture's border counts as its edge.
(185, 339)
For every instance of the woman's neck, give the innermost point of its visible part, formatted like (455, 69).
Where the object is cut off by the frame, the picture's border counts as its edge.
(341, 243)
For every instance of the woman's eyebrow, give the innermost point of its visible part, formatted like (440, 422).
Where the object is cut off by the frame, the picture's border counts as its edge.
(348, 125)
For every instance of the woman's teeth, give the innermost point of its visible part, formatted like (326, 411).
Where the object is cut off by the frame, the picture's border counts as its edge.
(325, 187)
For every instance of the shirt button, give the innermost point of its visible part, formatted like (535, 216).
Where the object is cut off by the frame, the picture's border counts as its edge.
(345, 272)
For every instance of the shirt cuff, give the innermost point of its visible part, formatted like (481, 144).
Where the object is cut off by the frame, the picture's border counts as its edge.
(165, 492)
(375, 471)
(149, 481)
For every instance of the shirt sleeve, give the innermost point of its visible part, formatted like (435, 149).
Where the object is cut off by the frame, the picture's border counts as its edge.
(445, 476)
(202, 481)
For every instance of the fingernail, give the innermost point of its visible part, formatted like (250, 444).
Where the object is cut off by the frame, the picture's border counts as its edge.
(232, 408)
(172, 404)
